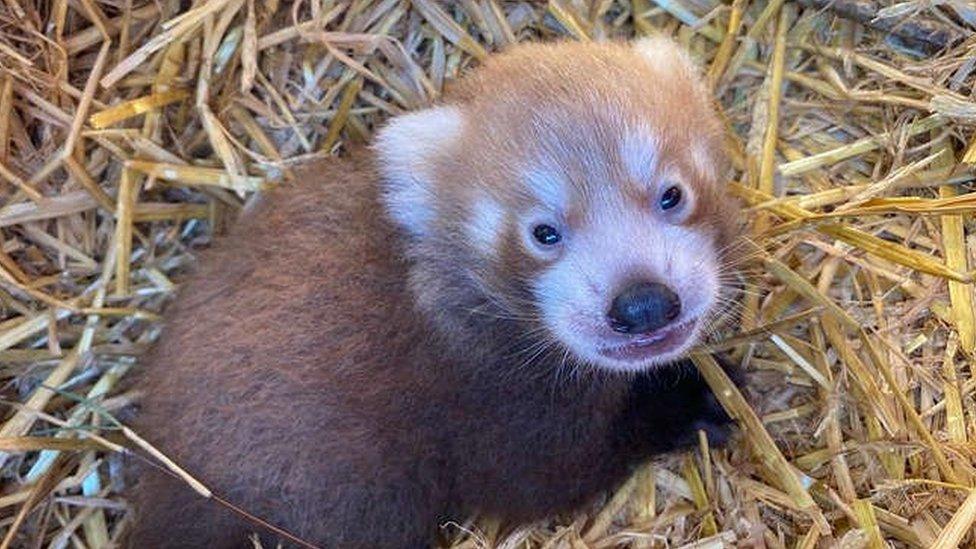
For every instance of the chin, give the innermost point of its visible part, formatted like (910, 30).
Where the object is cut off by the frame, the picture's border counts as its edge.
(643, 352)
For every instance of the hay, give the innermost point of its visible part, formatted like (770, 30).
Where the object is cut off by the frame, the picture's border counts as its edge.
(130, 131)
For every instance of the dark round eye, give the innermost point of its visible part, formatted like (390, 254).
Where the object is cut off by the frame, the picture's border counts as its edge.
(671, 197)
(546, 235)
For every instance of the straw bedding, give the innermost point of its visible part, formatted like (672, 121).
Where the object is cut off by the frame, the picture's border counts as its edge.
(132, 131)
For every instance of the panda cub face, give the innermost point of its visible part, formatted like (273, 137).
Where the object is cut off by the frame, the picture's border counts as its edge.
(577, 191)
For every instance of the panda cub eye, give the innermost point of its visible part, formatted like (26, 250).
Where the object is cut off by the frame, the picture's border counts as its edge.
(547, 235)
(670, 198)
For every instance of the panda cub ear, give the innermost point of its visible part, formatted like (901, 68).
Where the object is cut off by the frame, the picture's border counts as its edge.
(666, 55)
(407, 148)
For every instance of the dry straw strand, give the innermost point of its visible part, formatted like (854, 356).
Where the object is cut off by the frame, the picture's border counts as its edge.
(133, 131)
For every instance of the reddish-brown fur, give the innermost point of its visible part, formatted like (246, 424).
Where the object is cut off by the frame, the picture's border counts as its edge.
(300, 379)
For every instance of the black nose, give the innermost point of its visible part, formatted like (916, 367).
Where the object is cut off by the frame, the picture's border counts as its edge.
(644, 307)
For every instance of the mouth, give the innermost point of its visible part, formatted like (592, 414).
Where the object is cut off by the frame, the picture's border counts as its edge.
(653, 345)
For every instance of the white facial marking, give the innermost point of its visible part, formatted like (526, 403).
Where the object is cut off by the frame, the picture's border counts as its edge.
(487, 217)
(702, 159)
(407, 148)
(548, 187)
(639, 151)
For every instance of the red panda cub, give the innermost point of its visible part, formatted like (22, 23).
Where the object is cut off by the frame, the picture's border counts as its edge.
(485, 313)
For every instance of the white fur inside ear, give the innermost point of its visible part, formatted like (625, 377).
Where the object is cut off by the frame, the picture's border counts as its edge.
(665, 54)
(407, 149)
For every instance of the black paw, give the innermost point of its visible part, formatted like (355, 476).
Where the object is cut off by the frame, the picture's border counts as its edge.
(712, 417)
(714, 421)
(732, 370)
(669, 408)
(705, 414)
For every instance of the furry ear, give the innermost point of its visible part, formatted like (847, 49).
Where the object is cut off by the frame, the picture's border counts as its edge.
(665, 54)
(407, 149)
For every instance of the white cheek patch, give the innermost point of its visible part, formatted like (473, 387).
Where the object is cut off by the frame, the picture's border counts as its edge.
(486, 223)
(639, 153)
(691, 268)
(407, 149)
(571, 309)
